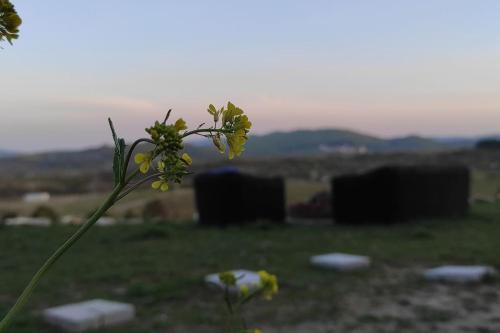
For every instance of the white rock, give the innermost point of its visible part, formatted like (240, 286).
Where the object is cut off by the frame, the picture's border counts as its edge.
(93, 314)
(36, 197)
(32, 221)
(340, 261)
(70, 219)
(459, 273)
(243, 277)
(106, 221)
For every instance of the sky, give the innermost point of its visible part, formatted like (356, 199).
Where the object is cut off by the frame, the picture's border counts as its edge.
(382, 67)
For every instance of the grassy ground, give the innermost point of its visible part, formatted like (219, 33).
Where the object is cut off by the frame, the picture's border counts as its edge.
(160, 268)
(179, 201)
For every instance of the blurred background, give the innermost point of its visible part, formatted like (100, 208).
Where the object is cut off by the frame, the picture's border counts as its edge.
(334, 89)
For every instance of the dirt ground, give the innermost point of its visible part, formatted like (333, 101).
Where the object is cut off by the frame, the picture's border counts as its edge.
(389, 306)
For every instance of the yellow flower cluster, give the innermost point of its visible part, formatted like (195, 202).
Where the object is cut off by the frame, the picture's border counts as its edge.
(235, 126)
(267, 287)
(167, 140)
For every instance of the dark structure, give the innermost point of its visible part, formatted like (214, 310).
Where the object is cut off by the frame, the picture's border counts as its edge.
(488, 144)
(225, 196)
(399, 193)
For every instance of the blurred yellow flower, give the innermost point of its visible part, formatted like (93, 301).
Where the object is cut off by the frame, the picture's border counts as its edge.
(236, 143)
(161, 166)
(180, 125)
(144, 161)
(244, 290)
(187, 159)
(227, 278)
(230, 113)
(269, 284)
(161, 185)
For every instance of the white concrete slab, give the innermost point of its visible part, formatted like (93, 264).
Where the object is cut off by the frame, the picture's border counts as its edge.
(31, 221)
(106, 221)
(36, 197)
(340, 261)
(243, 277)
(93, 314)
(459, 273)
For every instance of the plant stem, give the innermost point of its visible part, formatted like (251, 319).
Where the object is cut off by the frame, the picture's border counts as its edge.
(129, 154)
(204, 130)
(136, 185)
(35, 280)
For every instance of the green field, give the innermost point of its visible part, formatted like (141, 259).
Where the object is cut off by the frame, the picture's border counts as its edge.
(180, 205)
(160, 268)
(179, 201)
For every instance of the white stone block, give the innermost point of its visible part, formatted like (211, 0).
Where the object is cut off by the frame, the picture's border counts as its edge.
(93, 314)
(36, 197)
(243, 277)
(459, 273)
(31, 221)
(340, 261)
(106, 221)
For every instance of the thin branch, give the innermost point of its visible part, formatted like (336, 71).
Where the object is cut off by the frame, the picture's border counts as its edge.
(204, 130)
(129, 155)
(167, 116)
(136, 185)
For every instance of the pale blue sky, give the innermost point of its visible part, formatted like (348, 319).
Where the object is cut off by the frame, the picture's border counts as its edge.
(429, 67)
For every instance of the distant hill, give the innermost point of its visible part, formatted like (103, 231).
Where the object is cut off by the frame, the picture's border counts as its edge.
(6, 153)
(315, 142)
(278, 144)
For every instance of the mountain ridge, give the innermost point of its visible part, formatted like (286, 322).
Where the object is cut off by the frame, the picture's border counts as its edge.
(302, 142)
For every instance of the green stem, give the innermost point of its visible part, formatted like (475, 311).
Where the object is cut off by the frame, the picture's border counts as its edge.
(205, 130)
(136, 185)
(35, 280)
(130, 152)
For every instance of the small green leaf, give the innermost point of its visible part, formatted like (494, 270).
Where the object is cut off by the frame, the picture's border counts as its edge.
(119, 155)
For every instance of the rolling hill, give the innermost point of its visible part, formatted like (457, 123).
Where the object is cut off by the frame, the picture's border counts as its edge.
(278, 144)
(315, 142)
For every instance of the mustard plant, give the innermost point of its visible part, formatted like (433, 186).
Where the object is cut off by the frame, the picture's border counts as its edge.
(9, 21)
(163, 162)
(237, 295)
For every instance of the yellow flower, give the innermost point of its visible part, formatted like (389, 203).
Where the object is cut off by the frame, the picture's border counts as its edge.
(227, 278)
(161, 185)
(244, 123)
(230, 113)
(236, 143)
(186, 159)
(144, 161)
(180, 125)
(269, 284)
(161, 166)
(244, 290)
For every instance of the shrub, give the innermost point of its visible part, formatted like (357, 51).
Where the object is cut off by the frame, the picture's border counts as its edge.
(488, 144)
(155, 211)
(47, 212)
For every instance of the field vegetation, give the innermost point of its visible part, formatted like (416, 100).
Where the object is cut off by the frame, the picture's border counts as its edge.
(160, 269)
